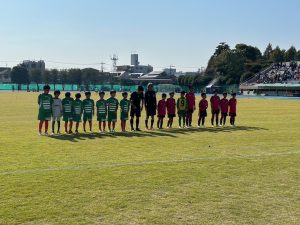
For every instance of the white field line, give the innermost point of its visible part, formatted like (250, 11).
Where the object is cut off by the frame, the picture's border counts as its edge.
(142, 163)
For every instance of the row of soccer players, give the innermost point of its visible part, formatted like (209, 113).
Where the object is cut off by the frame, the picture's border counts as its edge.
(72, 110)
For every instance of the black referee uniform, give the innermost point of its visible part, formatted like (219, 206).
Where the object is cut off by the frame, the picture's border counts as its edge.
(150, 105)
(137, 100)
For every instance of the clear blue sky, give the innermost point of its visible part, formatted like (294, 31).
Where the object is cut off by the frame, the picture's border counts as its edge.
(183, 33)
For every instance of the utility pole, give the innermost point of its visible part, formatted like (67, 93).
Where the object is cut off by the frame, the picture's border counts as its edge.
(102, 66)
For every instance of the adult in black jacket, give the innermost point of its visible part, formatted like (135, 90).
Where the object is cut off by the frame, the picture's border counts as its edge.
(150, 105)
(137, 103)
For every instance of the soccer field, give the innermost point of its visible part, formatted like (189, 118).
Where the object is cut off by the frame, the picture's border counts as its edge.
(244, 175)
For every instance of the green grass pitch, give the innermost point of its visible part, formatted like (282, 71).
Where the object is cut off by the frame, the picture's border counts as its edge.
(244, 175)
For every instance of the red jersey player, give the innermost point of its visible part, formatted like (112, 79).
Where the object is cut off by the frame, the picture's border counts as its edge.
(203, 105)
(215, 108)
(224, 109)
(191, 100)
(161, 110)
(171, 108)
(232, 109)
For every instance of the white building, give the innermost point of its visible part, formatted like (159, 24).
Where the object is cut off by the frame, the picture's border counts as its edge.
(135, 67)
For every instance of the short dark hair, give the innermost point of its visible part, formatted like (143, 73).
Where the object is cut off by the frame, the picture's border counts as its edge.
(47, 87)
(78, 95)
(124, 93)
(203, 94)
(140, 88)
(183, 92)
(216, 91)
(57, 92)
(224, 93)
(233, 94)
(172, 93)
(101, 93)
(87, 93)
(112, 92)
(164, 95)
(68, 94)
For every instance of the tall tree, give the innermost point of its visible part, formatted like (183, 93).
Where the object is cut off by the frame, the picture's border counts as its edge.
(290, 54)
(230, 65)
(90, 76)
(63, 76)
(277, 55)
(248, 51)
(35, 76)
(223, 46)
(298, 55)
(75, 76)
(54, 76)
(268, 52)
(19, 75)
(46, 77)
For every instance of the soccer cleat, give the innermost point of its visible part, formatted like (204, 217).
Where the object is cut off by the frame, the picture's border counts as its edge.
(40, 133)
(76, 132)
(46, 134)
(58, 133)
(52, 133)
(138, 129)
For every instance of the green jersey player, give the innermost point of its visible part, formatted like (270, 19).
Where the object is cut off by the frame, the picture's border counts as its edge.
(67, 104)
(101, 111)
(112, 107)
(125, 106)
(45, 102)
(77, 111)
(88, 110)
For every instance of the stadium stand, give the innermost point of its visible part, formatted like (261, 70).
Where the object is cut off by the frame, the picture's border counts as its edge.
(287, 72)
(281, 79)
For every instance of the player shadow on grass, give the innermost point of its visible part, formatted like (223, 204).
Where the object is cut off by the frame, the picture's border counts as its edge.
(159, 133)
(82, 136)
(228, 129)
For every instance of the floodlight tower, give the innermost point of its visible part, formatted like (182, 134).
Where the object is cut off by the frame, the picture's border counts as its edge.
(114, 60)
